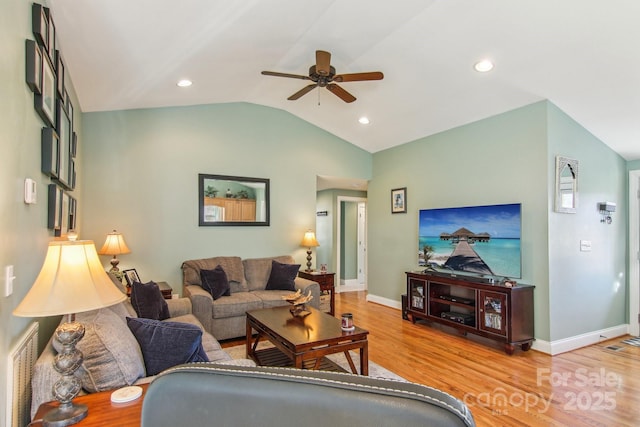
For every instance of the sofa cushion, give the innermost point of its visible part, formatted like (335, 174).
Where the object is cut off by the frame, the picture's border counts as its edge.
(112, 356)
(215, 282)
(235, 305)
(258, 270)
(232, 266)
(148, 301)
(272, 298)
(167, 344)
(282, 276)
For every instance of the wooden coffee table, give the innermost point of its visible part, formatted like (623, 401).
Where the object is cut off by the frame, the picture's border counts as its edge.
(303, 342)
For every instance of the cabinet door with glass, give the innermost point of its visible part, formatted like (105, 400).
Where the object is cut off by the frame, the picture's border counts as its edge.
(417, 291)
(493, 312)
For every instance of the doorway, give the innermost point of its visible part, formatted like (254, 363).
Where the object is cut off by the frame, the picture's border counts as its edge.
(351, 248)
(634, 253)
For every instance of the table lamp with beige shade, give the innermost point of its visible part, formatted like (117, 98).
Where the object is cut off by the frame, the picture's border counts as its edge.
(309, 241)
(114, 245)
(71, 280)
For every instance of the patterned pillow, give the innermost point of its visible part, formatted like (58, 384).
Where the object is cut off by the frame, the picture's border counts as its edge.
(112, 356)
(167, 344)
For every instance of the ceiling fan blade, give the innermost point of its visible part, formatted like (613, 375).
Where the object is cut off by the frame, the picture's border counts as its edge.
(323, 62)
(301, 92)
(356, 77)
(292, 76)
(340, 93)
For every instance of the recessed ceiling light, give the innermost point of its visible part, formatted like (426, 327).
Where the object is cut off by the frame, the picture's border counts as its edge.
(483, 66)
(364, 120)
(185, 83)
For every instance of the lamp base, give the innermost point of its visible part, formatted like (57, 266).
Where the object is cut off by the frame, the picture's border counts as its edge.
(114, 264)
(65, 415)
(308, 261)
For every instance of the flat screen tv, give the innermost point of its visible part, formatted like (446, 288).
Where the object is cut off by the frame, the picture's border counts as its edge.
(482, 240)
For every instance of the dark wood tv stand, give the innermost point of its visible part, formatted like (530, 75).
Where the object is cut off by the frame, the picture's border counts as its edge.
(500, 313)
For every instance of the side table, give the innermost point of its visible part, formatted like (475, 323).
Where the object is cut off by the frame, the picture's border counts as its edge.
(165, 290)
(102, 412)
(326, 282)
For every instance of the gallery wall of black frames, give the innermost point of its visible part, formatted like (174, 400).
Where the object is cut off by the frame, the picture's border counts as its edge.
(45, 76)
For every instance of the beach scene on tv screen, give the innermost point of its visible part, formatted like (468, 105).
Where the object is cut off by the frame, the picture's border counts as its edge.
(481, 240)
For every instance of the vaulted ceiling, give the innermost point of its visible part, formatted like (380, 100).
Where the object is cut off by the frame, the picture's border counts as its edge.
(582, 55)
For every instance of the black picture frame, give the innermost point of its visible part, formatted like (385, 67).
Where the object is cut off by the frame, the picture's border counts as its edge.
(63, 230)
(399, 200)
(60, 73)
(40, 25)
(73, 213)
(54, 211)
(51, 44)
(64, 159)
(50, 152)
(34, 67)
(45, 102)
(225, 200)
(131, 275)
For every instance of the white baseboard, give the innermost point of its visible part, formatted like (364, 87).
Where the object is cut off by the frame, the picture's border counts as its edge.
(384, 301)
(555, 347)
(578, 341)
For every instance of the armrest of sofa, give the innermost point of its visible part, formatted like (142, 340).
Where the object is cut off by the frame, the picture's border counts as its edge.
(306, 285)
(201, 304)
(179, 306)
(280, 396)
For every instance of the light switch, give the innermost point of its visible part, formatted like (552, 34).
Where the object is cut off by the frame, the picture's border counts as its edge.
(8, 280)
(585, 245)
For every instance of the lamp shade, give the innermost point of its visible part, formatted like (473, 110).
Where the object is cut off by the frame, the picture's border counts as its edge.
(309, 240)
(114, 245)
(72, 280)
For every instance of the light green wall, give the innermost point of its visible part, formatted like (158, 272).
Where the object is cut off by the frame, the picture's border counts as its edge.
(633, 165)
(587, 290)
(23, 228)
(502, 159)
(510, 158)
(144, 167)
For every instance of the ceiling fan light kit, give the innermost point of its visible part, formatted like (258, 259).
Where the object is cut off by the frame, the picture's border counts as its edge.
(322, 74)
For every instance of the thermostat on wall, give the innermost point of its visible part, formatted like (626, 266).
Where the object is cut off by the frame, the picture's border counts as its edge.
(30, 191)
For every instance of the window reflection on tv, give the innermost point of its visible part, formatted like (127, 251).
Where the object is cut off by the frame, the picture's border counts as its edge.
(482, 240)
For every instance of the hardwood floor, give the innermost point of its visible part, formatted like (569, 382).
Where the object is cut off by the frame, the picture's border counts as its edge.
(591, 386)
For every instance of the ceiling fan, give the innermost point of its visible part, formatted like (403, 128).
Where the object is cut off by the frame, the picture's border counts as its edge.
(322, 74)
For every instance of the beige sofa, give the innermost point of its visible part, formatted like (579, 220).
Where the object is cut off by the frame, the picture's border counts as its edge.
(225, 317)
(112, 356)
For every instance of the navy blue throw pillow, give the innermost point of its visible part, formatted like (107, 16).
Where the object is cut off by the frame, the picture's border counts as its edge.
(282, 276)
(148, 302)
(215, 282)
(167, 344)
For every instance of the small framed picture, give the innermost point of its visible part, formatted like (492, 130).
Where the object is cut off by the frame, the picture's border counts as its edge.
(50, 152)
(45, 103)
(131, 275)
(34, 67)
(399, 200)
(40, 25)
(54, 213)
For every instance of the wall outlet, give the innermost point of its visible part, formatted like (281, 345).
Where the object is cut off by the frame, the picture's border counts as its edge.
(585, 245)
